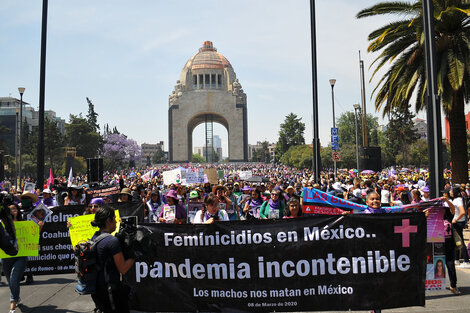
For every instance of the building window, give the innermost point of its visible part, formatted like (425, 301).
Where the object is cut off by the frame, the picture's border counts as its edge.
(207, 80)
(201, 81)
(213, 84)
(219, 81)
(194, 81)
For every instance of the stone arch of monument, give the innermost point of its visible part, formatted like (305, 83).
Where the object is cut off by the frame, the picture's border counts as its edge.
(206, 117)
(207, 92)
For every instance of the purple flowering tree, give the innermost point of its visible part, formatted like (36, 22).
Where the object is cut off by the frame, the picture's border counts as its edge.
(118, 151)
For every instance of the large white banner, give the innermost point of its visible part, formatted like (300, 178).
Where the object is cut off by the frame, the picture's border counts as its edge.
(244, 175)
(173, 177)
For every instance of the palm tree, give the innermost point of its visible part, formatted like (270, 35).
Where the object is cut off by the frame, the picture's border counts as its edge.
(402, 46)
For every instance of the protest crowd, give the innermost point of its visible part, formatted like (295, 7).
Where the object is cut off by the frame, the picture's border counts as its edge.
(205, 194)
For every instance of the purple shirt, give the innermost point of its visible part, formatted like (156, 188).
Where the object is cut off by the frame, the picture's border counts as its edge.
(180, 212)
(370, 210)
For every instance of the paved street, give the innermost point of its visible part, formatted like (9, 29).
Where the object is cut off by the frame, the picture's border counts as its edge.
(56, 294)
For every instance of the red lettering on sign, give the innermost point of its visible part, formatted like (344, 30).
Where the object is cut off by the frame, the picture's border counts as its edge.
(316, 196)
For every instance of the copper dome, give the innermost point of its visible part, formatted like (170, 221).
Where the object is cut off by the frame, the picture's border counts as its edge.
(207, 58)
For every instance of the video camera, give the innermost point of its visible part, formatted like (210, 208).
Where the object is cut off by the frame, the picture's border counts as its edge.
(8, 242)
(135, 239)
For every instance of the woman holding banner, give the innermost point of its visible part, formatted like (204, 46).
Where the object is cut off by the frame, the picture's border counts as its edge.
(154, 206)
(449, 241)
(253, 205)
(211, 211)
(14, 267)
(272, 208)
(179, 210)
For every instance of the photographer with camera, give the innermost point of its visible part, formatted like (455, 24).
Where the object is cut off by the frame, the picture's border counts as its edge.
(210, 212)
(110, 295)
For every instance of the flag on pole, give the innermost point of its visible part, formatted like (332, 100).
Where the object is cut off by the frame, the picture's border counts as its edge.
(50, 180)
(70, 179)
(155, 173)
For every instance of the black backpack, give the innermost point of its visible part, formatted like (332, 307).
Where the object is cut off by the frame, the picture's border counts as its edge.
(86, 264)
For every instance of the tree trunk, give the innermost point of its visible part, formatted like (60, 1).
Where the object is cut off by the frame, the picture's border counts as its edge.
(458, 139)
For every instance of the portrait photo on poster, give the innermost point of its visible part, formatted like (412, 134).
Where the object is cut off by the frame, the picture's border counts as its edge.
(439, 269)
(39, 213)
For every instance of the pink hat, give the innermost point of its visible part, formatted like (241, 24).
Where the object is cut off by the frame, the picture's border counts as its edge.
(172, 194)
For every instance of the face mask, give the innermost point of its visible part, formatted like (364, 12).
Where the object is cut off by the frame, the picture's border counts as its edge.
(25, 202)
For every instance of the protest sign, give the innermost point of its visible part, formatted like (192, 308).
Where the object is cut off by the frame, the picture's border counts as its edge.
(39, 213)
(193, 207)
(194, 177)
(28, 186)
(212, 175)
(111, 193)
(435, 250)
(169, 213)
(27, 235)
(172, 177)
(314, 199)
(356, 262)
(81, 229)
(244, 175)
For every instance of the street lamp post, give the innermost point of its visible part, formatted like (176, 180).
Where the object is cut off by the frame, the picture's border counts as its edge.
(332, 83)
(17, 141)
(357, 107)
(21, 90)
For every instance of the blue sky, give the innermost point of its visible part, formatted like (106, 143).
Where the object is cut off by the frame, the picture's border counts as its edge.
(127, 55)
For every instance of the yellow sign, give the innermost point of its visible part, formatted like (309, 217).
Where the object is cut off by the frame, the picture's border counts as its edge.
(27, 234)
(81, 229)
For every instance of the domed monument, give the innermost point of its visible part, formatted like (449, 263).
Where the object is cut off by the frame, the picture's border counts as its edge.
(208, 91)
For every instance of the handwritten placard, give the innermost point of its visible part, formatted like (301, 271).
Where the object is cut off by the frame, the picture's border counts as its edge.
(81, 229)
(27, 234)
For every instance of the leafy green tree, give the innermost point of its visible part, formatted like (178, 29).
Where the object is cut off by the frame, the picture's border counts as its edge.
(400, 136)
(3, 144)
(29, 165)
(298, 156)
(54, 144)
(374, 138)
(326, 157)
(401, 44)
(159, 156)
(82, 135)
(197, 158)
(92, 116)
(291, 134)
(419, 153)
(30, 140)
(347, 128)
(78, 164)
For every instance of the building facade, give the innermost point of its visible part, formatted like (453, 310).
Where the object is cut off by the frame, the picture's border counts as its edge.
(421, 128)
(10, 119)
